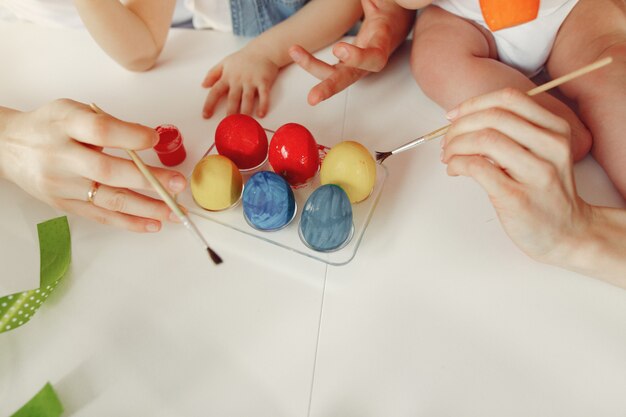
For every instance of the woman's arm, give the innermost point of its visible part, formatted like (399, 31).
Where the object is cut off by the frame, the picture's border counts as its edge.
(520, 153)
(132, 33)
(602, 252)
(54, 154)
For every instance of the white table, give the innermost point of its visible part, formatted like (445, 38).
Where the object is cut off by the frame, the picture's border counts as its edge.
(438, 314)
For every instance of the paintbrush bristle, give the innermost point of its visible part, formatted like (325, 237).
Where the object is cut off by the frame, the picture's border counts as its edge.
(214, 256)
(381, 156)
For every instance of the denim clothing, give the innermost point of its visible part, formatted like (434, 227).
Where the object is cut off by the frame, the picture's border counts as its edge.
(251, 17)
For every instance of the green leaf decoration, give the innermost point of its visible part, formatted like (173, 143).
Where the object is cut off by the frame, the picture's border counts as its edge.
(44, 404)
(55, 250)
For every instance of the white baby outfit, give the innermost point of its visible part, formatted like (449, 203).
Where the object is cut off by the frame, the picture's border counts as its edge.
(526, 46)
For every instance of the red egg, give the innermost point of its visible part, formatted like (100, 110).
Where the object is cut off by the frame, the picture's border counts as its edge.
(241, 139)
(293, 154)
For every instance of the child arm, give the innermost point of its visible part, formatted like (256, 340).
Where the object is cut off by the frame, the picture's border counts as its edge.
(132, 33)
(252, 71)
(316, 25)
(385, 26)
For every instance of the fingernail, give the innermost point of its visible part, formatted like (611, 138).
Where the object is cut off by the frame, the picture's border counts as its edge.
(295, 55)
(315, 98)
(152, 227)
(174, 218)
(177, 184)
(341, 53)
(155, 141)
(441, 155)
(452, 114)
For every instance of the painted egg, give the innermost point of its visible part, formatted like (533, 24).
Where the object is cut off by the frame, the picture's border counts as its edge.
(350, 166)
(268, 201)
(216, 183)
(326, 221)
(293, 154)
(242, 139)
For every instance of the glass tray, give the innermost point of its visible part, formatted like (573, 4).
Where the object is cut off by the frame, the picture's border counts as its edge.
(288, 237)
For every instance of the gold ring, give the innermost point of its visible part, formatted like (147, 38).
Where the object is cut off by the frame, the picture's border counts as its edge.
(91, 194)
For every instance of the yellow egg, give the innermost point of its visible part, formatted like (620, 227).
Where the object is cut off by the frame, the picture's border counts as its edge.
(216, 183)
(350, 166)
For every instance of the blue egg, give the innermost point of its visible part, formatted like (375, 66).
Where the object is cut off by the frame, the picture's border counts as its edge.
(268, 201)
(326, 221)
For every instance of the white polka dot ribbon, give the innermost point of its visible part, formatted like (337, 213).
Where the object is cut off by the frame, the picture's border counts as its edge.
(55, 252)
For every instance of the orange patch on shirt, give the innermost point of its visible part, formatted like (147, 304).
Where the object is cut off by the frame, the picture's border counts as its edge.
(501, 14)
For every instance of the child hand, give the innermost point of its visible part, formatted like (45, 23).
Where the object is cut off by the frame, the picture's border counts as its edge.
(384, 27)
(520, 154)
(243, 76)
(334, 78)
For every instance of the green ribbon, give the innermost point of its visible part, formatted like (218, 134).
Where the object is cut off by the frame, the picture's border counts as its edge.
(55, 251)
(44, 404)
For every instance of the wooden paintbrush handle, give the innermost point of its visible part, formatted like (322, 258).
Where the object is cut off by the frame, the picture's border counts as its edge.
(533, 92)
(169, 200)
(568, 77)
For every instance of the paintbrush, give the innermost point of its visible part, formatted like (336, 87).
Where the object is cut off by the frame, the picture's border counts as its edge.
(381, 156)
(167, 198)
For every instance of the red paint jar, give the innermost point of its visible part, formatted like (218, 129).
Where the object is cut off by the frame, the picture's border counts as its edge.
(170, 148)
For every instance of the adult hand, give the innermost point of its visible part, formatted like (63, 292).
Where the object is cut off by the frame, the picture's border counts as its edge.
(384, 27)
(520, 154)
(243, 76)
(54, 153)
